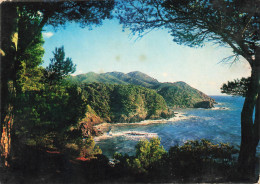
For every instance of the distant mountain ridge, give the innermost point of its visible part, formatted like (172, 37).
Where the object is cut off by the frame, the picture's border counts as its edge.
(177, 94)
(135, 78)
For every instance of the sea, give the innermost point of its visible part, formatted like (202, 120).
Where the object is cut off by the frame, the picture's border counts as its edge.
(218, 124)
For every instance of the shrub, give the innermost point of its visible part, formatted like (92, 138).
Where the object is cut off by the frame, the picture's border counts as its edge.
(77, 146)
(89, 149)
(148, 153)
(198, 160)
(200, 157)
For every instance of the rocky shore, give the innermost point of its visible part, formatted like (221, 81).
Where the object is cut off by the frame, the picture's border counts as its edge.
(105, 127)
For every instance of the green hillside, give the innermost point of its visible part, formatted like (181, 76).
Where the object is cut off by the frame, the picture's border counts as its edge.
(178, 94)
(94, 77)
(146, 80)
(124, 103)
(135, 78)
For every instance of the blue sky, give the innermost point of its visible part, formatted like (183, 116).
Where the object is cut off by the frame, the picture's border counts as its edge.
(107, 48)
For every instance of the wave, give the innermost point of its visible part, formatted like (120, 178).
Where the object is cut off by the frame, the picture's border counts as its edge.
(135, 135)
(132, 135)
(220, 108)
(178, 117)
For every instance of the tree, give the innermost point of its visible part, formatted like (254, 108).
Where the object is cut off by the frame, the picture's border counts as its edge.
(20, 18)
(34, 16)
(225, 22)
(148, 154)
(238, 87)
(59, 67)
(18, 78)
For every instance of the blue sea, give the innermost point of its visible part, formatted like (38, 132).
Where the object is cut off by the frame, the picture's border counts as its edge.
(219, 124)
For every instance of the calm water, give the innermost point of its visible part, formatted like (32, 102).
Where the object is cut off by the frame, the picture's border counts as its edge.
(220, 124)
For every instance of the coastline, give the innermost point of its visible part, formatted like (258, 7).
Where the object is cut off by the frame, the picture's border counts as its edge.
(105, 127)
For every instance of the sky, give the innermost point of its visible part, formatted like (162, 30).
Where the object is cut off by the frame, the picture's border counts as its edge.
(108, 48)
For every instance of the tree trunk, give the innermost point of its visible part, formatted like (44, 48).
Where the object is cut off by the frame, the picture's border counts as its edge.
(8, 26)
(250, 129)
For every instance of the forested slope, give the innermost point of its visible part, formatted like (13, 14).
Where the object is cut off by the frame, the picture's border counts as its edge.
(178, 94)
(124, 103)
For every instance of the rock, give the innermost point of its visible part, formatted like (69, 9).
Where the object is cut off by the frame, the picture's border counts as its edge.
(204, 104)
(88, 123)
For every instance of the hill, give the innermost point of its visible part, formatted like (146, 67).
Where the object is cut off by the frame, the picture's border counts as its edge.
(135, 78)
(124, 103)
(177, 94)
(99, 78)
(181, 95)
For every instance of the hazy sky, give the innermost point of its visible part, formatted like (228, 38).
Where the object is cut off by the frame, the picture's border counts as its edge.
(107, 48)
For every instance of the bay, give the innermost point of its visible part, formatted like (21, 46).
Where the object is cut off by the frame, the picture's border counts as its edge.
(219, 124)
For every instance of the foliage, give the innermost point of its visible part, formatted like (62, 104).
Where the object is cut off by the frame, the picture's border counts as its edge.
(30, 57)
(89, 148)
(178, 94)
(232, 23)
(51, 111)
(79, 147)
(24, 21)
(98, 98)
(59, 67)
(85, 13)
(124, 103)
(135, 78)
(91, 77)
(33, 104)
(237, 87)
(193, 159)
(193, 22)
(199, 157)
(148, 154)
(141, 79)
(47, 106)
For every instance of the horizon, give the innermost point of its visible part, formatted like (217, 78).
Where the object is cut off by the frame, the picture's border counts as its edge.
(107, 48)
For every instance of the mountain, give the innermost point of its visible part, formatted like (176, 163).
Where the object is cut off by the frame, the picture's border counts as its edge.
(177, 94)
(135, 78)
(124, 103)
(181, 95)
(146, 80)
(99, 78)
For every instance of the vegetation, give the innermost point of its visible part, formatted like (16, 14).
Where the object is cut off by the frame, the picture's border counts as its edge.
(237, 87)
(224, 22)
(48, 117)
(178, 94)
(135, 78)
(124, 103)
(59, 67)
(193, 161)
(21, 75)
(94, 77)
(40, 110)
(148, 155)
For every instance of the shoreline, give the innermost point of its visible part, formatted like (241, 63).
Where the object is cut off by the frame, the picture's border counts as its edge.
(178, 116)
(105, 127)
